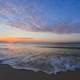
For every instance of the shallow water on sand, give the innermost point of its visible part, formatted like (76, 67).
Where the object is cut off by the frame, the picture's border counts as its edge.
(37, 58)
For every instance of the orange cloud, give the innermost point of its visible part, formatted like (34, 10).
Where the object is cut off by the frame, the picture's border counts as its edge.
(19, 39)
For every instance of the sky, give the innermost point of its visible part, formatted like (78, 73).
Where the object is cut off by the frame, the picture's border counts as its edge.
(55, 20)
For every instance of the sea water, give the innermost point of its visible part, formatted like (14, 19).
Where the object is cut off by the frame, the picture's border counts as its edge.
(40, 57)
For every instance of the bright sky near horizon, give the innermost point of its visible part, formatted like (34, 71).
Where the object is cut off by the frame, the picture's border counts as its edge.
(56, 20)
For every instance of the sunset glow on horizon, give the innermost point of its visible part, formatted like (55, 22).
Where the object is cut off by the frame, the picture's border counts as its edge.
(10, 34)
(17, 39)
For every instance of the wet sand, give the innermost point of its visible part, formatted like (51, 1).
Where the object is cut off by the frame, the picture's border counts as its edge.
(8, 73)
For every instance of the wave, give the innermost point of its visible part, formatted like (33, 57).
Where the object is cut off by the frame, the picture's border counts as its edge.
(48, 64)
(49, 60)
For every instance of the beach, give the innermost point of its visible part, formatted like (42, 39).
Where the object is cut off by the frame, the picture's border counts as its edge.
(39, 39)
(37, 63)
(8, 73)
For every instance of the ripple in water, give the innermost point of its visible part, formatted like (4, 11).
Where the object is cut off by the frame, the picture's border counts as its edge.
(49, 60)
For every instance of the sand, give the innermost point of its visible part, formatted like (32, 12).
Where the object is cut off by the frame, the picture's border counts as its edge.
(8, 73)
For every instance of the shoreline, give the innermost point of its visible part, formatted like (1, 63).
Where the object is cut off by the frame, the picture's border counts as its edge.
(9, 73)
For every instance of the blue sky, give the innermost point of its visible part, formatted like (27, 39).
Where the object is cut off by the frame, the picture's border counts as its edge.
(40, 16)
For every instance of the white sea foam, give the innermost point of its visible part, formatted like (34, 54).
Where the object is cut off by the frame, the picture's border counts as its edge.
(48, 60)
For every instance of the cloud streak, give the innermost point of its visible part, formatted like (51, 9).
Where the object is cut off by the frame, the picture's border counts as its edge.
(28, 17)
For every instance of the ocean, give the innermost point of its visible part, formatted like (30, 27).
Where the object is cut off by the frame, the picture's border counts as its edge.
(48, 58)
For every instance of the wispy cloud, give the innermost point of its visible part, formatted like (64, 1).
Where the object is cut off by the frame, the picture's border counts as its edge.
(66, 28)
(28, 17)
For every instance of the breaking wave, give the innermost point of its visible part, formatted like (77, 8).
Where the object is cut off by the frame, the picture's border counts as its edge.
(39, 59)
